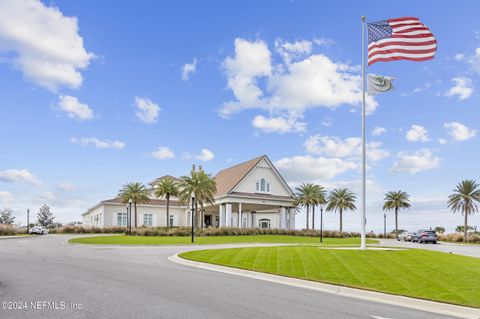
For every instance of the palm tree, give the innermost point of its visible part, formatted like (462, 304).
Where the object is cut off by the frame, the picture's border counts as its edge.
(319, 195)
(396, 200)
(341, 200)
(165, 188)
(465, 198)
(305, 197)
(135, 191)
(202, 185)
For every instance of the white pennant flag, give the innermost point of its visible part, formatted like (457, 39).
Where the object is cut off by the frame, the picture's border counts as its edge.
(378, 84)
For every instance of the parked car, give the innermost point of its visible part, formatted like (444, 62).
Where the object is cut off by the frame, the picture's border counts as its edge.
(405, 236)
(427, 236)
(39, 230)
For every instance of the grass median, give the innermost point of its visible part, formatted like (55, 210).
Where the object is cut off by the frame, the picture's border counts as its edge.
(211, 240)
(412, 272)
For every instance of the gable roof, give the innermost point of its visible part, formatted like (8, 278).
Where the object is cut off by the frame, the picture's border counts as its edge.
(228, 178)
(156, 180)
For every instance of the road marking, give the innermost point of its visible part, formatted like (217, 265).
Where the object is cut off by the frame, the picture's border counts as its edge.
(378, 317)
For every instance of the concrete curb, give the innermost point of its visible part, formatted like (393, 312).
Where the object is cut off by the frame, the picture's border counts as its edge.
(401, 301)
(16, 237)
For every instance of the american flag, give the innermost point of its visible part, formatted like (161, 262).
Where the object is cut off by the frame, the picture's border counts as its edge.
(400, 39)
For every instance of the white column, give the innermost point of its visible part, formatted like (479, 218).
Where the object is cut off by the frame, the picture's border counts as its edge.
(283, 217)
(292, 217)
(221, 214)
(240, 215)
(228, 215)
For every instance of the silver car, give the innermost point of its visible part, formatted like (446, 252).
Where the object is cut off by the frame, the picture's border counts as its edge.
(405, 236)
(39, 230)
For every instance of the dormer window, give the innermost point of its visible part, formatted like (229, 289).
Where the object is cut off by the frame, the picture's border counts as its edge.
(262, 186)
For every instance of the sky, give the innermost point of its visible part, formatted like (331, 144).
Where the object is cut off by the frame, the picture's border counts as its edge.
(98, 94)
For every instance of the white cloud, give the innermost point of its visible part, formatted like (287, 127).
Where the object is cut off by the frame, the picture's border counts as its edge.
(74, 108)
(85, 141)
(19, 175)
(66, 187)
(417, 133)
(459, 132)
(47, 195)
(462, 88)
(278, 124)
(459, 57)
(415, 162)
(327, 121)
(163, 152)
(6, 197)
(378, 130)
(300, 169)
(205, 155)
(293, 50)
(350, 147)
(442, 141)
(147, 110)
(48, 48)
(188, 69)
(474, 61)
(312, 81)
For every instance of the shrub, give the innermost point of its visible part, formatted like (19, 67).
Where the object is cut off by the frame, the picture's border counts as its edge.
(8, 230)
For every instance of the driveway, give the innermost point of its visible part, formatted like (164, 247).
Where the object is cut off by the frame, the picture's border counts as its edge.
(139, 282)
(460, 249)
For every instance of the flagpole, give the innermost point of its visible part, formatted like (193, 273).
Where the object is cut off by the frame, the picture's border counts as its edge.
(362, 223)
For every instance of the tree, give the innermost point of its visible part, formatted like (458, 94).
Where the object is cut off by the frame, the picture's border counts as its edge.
(306, 196)
(341, 200)
(202, 185)
(135, 191)
(396, 200)
(319, 195)
(45, 216)
(465, 198)
(165, 188)
(439, 230)
(461, 228)
(6, 216)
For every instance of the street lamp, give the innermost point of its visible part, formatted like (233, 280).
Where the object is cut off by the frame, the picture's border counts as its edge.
(384, 225)
(193, 218)
(28, 221)
(321, 223)
(130, 217)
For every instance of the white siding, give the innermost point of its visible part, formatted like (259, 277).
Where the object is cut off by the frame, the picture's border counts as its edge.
(262, 170)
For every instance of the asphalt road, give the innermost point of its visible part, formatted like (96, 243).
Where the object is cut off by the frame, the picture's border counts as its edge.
(139, 282)
(459, 249)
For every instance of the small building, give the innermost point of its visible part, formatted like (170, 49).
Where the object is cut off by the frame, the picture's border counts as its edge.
(250, 194)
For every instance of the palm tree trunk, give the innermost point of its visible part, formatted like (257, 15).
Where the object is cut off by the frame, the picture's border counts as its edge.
(308, 217)
(168, 209)
(313, 217)
(196, 214)
(202, 217)
(341, 222)
(396, 223)
(135, 205)
(465, 230)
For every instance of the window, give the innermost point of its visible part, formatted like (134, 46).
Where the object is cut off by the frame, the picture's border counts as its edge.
(122, 219)
(262, 186)
(147, 219)
(264, 223)
(170, 220)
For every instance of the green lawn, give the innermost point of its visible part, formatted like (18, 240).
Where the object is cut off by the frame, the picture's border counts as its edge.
(163, 240)
(413, 272)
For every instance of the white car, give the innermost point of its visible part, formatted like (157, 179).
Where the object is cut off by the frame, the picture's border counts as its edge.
(39, 230)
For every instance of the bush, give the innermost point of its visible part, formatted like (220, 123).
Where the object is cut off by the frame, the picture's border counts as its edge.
(9, 230)
(87, 230)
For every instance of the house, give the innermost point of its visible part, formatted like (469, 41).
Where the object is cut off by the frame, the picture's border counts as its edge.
(250, 194)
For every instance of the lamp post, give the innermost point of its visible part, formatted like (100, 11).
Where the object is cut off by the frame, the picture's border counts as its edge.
(28, 220)
(193, 218)
(321, 223)
(384, 225)
(130, 217)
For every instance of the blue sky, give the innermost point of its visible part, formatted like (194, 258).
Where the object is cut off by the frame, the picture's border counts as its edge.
(95, 95)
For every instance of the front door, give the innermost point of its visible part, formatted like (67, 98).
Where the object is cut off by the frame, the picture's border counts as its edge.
(208, 220)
